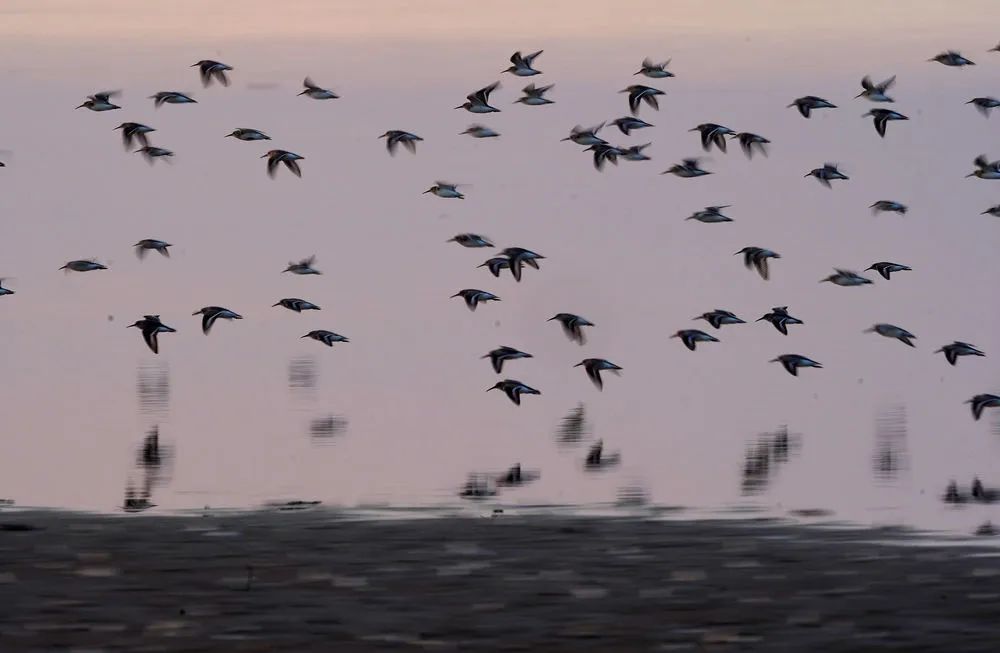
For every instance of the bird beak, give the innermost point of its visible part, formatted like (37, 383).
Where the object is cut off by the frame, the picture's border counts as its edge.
(278, 304)
(305, 336)
(971, 174)
(493, 388)
(228, 135)
(578, 364)
(460, 107)
(264, 156)
(426, 191)
(129, 326)
(81, 106)
(196, 313)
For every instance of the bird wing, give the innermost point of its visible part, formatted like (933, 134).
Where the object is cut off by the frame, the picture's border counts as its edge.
(207, 320)
(309, 84)
(595, 376)
(866, 83)
(483, 95)
(149, 335)
(531, 57)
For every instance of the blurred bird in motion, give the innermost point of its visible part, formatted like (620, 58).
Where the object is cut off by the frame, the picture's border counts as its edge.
(212, 70)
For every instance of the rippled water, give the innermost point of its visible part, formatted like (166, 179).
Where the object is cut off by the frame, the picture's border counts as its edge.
(399, 416)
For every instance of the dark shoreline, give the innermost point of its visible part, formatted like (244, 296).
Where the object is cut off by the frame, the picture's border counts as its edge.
(313, 581)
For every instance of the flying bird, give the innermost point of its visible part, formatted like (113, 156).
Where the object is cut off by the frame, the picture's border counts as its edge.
(5, 291)
(710, 215)
(572, 326)
(151, 327)
(886, 268)
(691, 337)
(470, 240)
(445, 190)
(952, 58)
(846, 278)
(317, 92)
(247, 134)
(892, 331)
(984, 104)
(985, 169)
(586, 136)
(151, 153)
(134, 131)
(518, 256)
(594, 367)
(212, 70)
(277, 157)
(888, 206)
(100, 101)
(395, 137)
(993, 210)
(473, 296)
(686, 169)
(756, 257)
(305, 266)
(792, 363)
(637, 94)
(826, 174)
(876, 92)
(713, 134)
(480, 131)
(881, 118)
(718, 317)
(83, 265)
(808, 103)
(523, 64)
(780, 318)
(958, 348)
(296, 304)
(502, 354)
(534, 95)
(604, 152)
(147, 244)
(495, 265)
(479, 102)
(654, 70)
(514, 389)
(635, 152)
(326, 337)
(628, 123)
(981, 402)
(750, 142)
(171, 97)
(210, 314)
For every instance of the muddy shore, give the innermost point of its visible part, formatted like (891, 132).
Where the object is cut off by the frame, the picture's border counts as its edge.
(313, 581)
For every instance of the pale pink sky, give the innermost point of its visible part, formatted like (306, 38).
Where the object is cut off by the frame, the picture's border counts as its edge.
(619, 251)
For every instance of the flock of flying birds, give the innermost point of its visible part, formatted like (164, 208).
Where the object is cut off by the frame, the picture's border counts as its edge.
(515, 259)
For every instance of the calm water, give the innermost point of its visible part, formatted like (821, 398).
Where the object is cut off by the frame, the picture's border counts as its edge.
(399, 416)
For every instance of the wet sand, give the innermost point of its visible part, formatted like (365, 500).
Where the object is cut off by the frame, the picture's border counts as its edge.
(314, 581)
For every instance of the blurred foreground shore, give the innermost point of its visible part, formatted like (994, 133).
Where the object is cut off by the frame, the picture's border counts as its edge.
(312, 581)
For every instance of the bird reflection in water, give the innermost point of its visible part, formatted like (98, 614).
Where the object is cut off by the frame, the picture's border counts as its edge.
(890, 455)
(574, 427)
(152, 388)
(478, 486)
(597, 459)
(323, 429)
(152, 462)
(763, 458)
(516, 477)
(302, 377)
